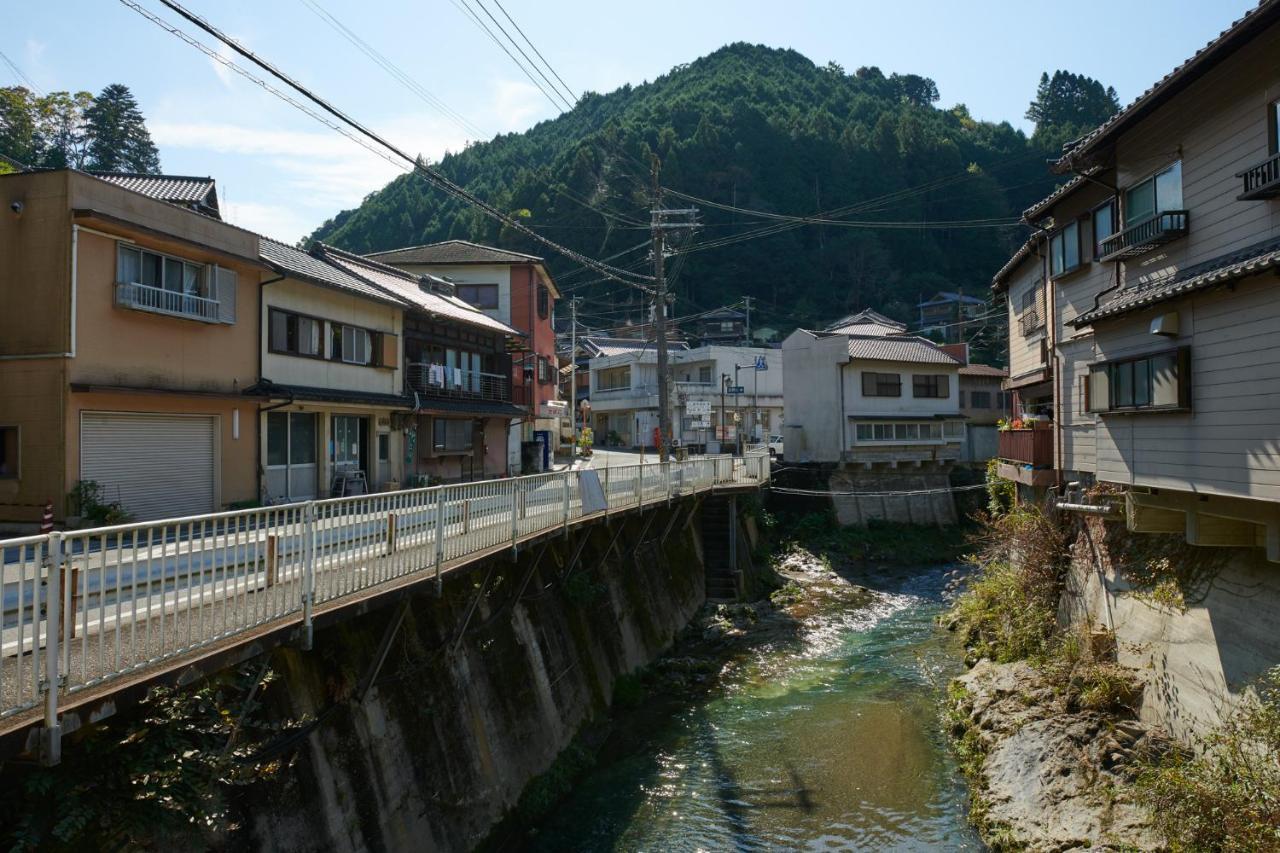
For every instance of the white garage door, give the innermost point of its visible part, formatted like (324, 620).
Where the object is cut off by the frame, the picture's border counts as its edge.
(156, 466)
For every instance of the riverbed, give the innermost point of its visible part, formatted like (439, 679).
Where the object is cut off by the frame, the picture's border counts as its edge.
(820, 731)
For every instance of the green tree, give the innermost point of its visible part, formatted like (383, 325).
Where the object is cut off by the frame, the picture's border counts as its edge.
(18, 137)
(62, 129)
(1070, 103)
(119, 141)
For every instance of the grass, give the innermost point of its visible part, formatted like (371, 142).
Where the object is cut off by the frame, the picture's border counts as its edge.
(1226, 795)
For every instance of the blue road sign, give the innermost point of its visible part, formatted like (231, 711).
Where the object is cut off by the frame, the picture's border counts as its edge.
(736, 389)
(761, 363)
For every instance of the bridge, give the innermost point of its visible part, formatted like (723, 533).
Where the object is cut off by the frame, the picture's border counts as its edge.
(89, 614)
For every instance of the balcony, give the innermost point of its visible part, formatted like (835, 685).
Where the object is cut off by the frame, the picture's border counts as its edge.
(1146, 235)
(438, 381)
(1026, 455)
(1261, 181)
(157, 300)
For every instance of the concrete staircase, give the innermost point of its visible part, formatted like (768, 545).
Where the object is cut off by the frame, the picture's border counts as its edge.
(717, 550)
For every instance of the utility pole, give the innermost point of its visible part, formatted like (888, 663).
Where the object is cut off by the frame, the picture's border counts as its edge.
(659, 223)
(573, 373)
(747, 301)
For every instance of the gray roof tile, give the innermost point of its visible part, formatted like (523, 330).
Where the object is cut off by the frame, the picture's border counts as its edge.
(453, 252)
(290, 261)
(177, 189)
(900, 348)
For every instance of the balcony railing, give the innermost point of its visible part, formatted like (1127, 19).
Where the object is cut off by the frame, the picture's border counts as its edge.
(1261, 181)
(1146, 235)
(1032, 447)
(438, 380)
(157, 300)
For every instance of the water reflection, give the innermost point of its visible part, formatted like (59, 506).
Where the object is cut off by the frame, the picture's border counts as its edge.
(827, 741)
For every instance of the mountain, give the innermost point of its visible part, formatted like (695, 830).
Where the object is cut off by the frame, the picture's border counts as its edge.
(752, 127)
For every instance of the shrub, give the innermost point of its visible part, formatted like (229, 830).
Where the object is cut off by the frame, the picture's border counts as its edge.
(1226, 797)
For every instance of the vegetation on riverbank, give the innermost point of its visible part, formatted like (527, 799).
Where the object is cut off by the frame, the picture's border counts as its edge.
(879, 542)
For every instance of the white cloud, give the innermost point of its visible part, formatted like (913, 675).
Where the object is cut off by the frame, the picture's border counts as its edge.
(225, 75)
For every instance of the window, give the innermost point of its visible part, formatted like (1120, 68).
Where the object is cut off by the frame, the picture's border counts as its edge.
(1158, 193)
(704, 374)
(138, 266)
(902, 433)
(980, 399)
(351, 344)
(294, 334)
(1149, 383)
(9, 453)
(384, 447)
(451, 436)
(936, 385)
(1273, 127)
(544, 369)
(544, 301)
(881, 385)
(1064, 249)
(726, 326)
(1104, 225)
(1029, 315)
(479, 295)
(613, 378)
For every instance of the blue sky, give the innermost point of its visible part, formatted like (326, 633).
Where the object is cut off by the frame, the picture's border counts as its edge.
(281, 173)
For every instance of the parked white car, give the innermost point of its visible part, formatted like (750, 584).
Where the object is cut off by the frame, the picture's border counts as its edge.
(775, 446)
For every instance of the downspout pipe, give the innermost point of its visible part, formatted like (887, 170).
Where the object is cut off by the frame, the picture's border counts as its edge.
(257, 427)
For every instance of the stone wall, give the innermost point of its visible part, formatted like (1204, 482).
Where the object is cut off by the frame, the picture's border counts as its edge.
(1200, 624)
(456, 725)
(930, 509)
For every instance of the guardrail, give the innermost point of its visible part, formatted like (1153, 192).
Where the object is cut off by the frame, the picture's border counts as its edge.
(133, 595)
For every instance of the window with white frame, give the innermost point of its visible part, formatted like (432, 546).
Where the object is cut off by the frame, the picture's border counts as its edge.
(151, 269)
(902, 433)
(295, 334)
(1154, 195)
(351, 344)
(1159, 381)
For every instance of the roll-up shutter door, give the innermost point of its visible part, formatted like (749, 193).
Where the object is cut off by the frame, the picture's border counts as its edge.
(156, 466)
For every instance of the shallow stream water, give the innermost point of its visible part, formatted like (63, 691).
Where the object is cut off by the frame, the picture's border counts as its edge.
(823, 735)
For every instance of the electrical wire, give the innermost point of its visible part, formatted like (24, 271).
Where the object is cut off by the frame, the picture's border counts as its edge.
(569, 101)
(784, 490)
(18, 71)
(550, 68)
(434, 177)
(558, 102)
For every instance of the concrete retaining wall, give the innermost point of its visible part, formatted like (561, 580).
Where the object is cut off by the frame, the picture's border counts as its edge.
(938, 508)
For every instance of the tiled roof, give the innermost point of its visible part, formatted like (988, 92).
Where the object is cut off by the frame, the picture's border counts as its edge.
(287, 260)
(867, 322)
(177, 189)
(453, 252)
(722, 313)
(1262, 15)
(409, 288)
(998, 280)
(900, 348)
(1245, 262)
(983, 370)
(1040, 208)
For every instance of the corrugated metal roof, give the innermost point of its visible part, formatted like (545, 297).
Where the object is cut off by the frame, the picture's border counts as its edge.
(1219, 48)
(290, 261)
(913, 349)
(408, 288)
(453, 252)
(179, 189)
(1245, 262)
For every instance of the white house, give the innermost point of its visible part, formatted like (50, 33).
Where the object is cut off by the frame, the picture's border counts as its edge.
(706, 405)
(866, 392)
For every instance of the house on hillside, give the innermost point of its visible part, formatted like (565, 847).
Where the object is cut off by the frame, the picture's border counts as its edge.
(128, 333)
(951, 314)
(517, 290)
(722, 327)
(867, 393)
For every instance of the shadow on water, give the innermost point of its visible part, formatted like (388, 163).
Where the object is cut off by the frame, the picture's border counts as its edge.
(821, 731)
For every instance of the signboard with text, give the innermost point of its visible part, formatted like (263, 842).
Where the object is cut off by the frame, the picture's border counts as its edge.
(698, 407)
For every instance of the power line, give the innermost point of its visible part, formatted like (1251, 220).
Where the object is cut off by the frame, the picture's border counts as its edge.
(538, 52)
(18, 71)
(569, 101)
(558, 102)
(433, 176)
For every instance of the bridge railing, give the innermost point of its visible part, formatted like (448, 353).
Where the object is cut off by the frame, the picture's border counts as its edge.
(129, 596)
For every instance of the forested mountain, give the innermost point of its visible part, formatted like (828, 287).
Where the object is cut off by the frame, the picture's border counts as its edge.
(764, 129)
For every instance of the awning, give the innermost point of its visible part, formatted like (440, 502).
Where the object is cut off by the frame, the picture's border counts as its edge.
(275, 391)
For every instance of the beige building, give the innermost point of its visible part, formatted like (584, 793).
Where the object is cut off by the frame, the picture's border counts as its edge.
(128, 332)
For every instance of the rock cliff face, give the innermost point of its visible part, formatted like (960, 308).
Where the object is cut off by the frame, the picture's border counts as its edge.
(450, 733)
(1048, 779)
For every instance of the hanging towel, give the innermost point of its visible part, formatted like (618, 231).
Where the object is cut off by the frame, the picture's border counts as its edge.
(457, 377)
(436, 374)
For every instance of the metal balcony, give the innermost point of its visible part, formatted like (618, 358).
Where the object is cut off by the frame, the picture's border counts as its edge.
(1261, 181)
(1146, 235)
(439, 381)
(157, 300)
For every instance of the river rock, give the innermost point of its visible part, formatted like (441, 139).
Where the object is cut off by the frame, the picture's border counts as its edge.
(1051, 780)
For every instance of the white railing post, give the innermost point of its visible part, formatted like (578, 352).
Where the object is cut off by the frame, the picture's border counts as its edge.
(515, 513)
(640, 485)
(439, 538)
(666, 477)
(308, 570)
(567, 476)
(606, 490)
(51, 736)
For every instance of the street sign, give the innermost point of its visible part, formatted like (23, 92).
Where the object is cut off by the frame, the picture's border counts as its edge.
(698, 407)
(736, 389)
(761, 363)
(700, 424)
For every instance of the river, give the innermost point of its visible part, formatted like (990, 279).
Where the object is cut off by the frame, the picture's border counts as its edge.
(821, 733)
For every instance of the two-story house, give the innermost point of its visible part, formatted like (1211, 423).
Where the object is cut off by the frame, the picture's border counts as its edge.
(722, 327)
(128, 332)
(867, 393)
(951, 314)
(517, 290)
(1154, 264)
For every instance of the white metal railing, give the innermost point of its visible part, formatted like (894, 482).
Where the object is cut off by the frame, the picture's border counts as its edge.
(132, 595)
(160, 301)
